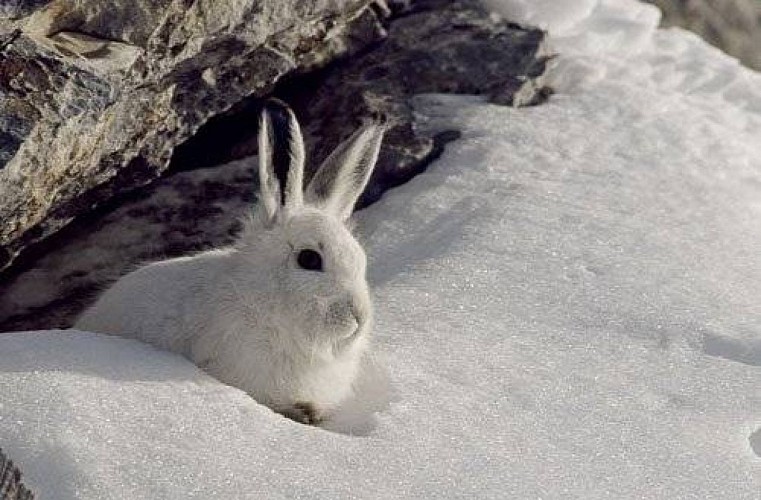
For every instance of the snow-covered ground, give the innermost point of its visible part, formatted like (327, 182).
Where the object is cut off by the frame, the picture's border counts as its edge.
(567, 301)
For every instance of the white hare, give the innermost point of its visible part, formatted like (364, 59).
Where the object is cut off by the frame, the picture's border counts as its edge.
(285, 312)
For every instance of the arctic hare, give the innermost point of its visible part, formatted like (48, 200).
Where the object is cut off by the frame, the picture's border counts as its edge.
(285, 312)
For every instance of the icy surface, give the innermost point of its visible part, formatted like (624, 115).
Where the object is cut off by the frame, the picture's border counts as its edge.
(567, 300)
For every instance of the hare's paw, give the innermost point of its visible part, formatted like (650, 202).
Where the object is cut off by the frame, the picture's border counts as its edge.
(303, 412)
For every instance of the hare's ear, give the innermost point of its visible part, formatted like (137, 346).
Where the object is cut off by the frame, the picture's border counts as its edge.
(342, 177)
(281, 159)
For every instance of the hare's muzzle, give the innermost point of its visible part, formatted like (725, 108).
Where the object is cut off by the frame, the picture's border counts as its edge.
(348, 316)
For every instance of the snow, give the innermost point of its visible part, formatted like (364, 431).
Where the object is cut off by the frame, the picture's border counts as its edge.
(555, 16)
(567, 302)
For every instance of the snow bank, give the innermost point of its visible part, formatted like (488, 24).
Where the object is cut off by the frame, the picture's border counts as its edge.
(556, 16)
(568, 300)
(619, 40)
(599, 27)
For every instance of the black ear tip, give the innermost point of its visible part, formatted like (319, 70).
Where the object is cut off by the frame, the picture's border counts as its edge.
(280, 115)
(276, 107)
(379, 119)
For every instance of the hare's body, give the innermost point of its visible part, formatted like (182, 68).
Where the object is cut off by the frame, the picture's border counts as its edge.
(164, 301)
(193, 306)
(284, 313)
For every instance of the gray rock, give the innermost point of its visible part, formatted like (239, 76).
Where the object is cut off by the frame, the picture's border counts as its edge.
(11, 487)
(734, 26)
(94, 96)
(15, 9)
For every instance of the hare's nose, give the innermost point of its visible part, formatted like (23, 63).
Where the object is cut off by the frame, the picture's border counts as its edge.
(344, 310)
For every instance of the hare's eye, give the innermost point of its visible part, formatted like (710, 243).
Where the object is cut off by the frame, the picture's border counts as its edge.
(310, 260)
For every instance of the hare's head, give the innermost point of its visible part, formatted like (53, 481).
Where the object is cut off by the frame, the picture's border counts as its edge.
(314, 267)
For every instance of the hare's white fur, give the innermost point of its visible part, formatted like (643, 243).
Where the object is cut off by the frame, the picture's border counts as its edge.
(249, 314)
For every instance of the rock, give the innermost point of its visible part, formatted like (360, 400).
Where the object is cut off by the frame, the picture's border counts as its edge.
(433, 46)
(14, 9)
(11, 487)
(734, 26)
(94, 96)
